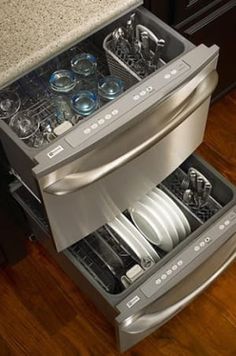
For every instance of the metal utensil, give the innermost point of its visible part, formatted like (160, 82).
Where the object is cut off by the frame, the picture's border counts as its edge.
(158, 51)
(185, 183)
(145, 45)
(188, 196)
(193, 178)
(206, 192)
(130, 32)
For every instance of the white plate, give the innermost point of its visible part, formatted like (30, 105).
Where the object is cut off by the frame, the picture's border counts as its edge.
(181, 231)
(138, 236)
(176, 208)
(135, 241)
(159, 209)
(151, 226)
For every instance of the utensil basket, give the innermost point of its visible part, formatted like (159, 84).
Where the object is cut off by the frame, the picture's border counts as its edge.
(119, 67)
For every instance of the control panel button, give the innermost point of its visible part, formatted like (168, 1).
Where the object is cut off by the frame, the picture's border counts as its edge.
(179, 263)
(158, 281)
(207, 239)
(94, 126)
(174, 268)
(164, 276)
(221, 227)
(202, 244)
(108, 116)
(136, 97)
(169, 272)
(101, 121)
(167, 76)
(142, 93)
(149, 89)
(196, 248)
(174, 71)
(227, 222)
(87, 131)
(115, 112)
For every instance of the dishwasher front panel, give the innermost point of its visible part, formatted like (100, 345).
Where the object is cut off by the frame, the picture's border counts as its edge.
(83, 195)
(157, 303)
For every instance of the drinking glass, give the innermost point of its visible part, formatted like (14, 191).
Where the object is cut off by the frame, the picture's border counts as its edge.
(24, 124)
(63, 109)
(9, 104)
(85, 66)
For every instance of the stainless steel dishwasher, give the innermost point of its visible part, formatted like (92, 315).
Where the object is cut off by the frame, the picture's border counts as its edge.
(76, 189)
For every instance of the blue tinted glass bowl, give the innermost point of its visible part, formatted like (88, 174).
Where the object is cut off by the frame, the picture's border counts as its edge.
(110, 87)
(62, 81)
(84, 64)
(84, 102)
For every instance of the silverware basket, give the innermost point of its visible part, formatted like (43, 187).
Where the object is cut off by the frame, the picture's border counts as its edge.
(117, 67)
(120, 65)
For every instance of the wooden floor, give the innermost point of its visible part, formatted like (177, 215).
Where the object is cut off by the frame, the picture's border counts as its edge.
(42, 312)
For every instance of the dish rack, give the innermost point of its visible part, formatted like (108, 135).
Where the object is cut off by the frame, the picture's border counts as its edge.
(34, 92)
(120, 66)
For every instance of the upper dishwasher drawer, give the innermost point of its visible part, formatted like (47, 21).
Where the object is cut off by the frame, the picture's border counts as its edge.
(90, 190)
(101, 166)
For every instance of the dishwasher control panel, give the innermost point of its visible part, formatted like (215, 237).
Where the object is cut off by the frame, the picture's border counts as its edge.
(189, 257)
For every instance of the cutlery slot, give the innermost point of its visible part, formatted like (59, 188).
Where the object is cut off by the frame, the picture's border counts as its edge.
(173, 185)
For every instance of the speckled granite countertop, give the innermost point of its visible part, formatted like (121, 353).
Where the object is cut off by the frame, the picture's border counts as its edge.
(33, 31)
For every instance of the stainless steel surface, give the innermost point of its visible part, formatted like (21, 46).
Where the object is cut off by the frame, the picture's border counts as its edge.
(173, 111)
(103, 200)
(137, 326)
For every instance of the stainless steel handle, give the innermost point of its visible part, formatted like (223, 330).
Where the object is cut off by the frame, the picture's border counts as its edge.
(143, 323)
(171, 113)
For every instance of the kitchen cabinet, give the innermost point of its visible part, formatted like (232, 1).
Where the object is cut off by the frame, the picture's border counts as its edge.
(209, 22)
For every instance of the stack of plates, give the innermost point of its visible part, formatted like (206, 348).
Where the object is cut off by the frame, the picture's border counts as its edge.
(160, 220)
(133, 241)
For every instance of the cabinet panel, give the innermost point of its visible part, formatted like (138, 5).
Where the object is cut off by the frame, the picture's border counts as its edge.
(218, 27)
(161, 8)
(186, 8)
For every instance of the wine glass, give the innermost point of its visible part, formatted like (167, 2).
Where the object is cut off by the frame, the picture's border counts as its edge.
(9, 104)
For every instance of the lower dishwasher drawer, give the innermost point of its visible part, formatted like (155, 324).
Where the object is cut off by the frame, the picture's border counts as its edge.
(139, 296)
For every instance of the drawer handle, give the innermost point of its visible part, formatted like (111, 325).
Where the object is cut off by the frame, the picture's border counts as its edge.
(145, 322)
(182, 103)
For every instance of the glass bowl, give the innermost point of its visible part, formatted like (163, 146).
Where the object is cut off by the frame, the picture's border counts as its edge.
(84, 64)
(62, 81)
(84, 102)
(110, 87)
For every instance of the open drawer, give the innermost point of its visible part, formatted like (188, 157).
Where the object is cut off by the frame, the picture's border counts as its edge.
(96, 169)
(140, 305)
